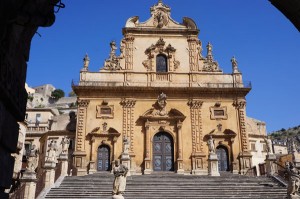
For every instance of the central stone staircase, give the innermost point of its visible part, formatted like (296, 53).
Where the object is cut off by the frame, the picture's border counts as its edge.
(167, 186)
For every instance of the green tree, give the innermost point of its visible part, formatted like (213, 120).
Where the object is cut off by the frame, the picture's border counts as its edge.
(57, 94)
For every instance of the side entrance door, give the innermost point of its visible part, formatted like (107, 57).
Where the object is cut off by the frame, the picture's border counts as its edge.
(103, 158)
(163, 152)
(222, 154)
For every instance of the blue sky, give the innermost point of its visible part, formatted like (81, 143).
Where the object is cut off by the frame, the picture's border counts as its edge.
(263, 41)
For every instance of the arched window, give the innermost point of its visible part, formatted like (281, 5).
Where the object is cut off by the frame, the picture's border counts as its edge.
(161, 63)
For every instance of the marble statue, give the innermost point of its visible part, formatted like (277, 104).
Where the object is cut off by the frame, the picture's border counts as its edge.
(126, 145)
(32, 159)
(65, 145)
(120, 172)
(269, 145)
(293, 181)
(211, 145)
(52, 148)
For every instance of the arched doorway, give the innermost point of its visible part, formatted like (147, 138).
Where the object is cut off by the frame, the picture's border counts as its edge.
(222, 154)
(163, 152)
(103, 157)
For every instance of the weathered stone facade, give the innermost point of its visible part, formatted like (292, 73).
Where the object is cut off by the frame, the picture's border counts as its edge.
(161, 92)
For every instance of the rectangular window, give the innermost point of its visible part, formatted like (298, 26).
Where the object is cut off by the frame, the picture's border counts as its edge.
(253, 147)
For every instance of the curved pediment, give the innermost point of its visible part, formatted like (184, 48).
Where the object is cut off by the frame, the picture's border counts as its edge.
(170, 115)
(161, 18)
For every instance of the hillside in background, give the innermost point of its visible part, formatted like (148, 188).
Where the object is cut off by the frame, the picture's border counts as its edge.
(286, 133)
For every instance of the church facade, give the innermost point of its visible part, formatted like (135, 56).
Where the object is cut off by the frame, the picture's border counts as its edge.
(161, 98)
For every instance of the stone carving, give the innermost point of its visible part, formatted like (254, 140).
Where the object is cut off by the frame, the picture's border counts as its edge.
(86, 62)
(209, 64)
(104, 126)
(160, 13)
(234, 65)
(293, 181)
(65, 145)
(161, 105)
(51, 152)
(126, 145)
(211, 145)
(159, 48)
(32, 159)
(113, 63)
(269, 145)
(120, 173)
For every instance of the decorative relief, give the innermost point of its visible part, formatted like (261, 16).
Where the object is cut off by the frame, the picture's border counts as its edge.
(161, 14)
(240, 106)
(217, 112)
(159, 48)
(128, 120)
(209, 64)
(161, 105)
(196, 122)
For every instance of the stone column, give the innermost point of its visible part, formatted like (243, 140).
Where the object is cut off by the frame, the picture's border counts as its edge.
(180, 169)
(213, 168)
(50, 173)
(244, 155)
(271, 167)
(79, 153)
(92, 164)
(147, 160)
(29, 178)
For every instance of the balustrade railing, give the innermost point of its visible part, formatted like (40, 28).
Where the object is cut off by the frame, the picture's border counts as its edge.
(18, 192)
(40, 184)
(251, 171)
(58, 170)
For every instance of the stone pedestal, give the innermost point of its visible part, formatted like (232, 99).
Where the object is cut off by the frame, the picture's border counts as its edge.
(198, 164)
(29, 178)
(117, 197)
(92, 167)
(147, 169)
(213, 168)
(244, 162)
(125, 160)
(235, 168)
(79, 161)
(63, 158)
(270, 166)
(50, 173)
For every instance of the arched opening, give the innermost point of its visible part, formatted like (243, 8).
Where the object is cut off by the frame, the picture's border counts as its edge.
(223, 158)
(161, 63)
(103, 158)
(163, 152)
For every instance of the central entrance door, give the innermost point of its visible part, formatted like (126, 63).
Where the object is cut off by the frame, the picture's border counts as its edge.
(163, 152)
(103, 158)
(222, 154)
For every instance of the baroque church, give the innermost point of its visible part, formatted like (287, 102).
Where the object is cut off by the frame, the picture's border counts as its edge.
(162, 97)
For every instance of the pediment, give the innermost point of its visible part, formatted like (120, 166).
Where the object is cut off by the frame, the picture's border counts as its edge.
(227, 133)
(161, 18)
(172, 114)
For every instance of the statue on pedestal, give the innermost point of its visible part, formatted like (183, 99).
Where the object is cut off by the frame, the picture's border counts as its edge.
(293, 181)
(65, 145)
(211, 145)
(120, 172)
(126, 145)
(32, 159)
(269, 145)
(52, 148)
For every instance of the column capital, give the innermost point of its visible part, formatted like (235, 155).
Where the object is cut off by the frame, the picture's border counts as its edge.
(239, 104)
(194, 104)
(83, 103)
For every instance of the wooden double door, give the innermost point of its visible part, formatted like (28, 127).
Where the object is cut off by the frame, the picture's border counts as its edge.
(163, 152)
(223, 160)
(103, 158)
